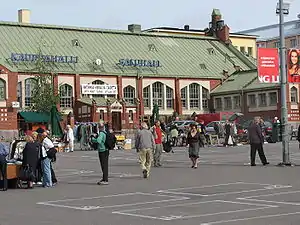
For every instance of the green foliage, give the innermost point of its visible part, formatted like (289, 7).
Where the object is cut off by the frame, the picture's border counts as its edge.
(43, 93)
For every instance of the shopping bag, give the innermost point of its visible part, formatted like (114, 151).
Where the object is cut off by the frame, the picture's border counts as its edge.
(230, 141)
(26, 173)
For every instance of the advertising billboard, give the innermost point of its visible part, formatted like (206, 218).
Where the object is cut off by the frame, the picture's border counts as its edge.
(268, 65)
(293, 66)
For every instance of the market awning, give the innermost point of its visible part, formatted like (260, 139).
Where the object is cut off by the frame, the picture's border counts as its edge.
(35, 117)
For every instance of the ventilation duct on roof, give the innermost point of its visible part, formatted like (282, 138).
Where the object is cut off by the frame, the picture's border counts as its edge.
(24, 16)
(134, 28)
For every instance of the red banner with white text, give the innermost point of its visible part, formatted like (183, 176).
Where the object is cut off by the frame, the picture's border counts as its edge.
(268, 65)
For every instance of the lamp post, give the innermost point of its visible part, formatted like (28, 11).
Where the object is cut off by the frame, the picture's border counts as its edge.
(283, 9)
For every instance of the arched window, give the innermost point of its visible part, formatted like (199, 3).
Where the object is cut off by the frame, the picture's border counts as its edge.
(98, 82)
(183, 96)
(66, 94)
(146, 97)
(129, 94)
(194, 94)
(29, 89)
(158, 94)
(205, 95)
(2, 90)
(294, 95)
(169, 97)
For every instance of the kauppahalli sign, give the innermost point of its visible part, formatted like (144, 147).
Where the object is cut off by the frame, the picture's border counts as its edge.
(28, 57)
(139, 63)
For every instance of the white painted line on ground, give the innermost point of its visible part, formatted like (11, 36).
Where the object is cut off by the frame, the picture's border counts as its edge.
(197, 187)
(177, 217)
(279, 193)
(86, 208)
(269, 187)
(250, 218)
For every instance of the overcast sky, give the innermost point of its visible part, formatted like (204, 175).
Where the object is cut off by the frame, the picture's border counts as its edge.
(117, 14)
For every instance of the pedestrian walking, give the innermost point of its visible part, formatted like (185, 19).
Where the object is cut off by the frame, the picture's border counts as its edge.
(103, 153)
(158, 138)
(256, 142)
(144, 143)
(194, 142)
(3, 164)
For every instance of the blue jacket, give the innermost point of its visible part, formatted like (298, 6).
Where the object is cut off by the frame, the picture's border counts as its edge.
(4, 151)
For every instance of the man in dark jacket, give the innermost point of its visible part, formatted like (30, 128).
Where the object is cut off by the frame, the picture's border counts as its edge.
(3, 164)
(256, 142)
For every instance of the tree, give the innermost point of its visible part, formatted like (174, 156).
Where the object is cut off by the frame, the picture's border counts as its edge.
(43, 93)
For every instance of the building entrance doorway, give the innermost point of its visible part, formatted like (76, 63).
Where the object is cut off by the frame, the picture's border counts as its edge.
(116, 121)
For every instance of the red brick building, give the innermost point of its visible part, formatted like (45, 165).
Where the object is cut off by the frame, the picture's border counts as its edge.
(111, 75)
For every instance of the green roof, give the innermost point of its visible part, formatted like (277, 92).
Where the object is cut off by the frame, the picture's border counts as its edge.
(242, 81)
(178, 55)
(101, 101)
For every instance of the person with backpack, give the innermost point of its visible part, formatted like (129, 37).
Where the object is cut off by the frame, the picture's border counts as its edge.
(105, 142)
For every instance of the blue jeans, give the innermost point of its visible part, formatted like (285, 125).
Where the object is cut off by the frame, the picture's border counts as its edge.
(46, 166)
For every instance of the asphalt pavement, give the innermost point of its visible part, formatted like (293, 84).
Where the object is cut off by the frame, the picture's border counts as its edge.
(224, 189)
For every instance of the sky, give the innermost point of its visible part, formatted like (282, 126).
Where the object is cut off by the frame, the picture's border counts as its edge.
(117, 14)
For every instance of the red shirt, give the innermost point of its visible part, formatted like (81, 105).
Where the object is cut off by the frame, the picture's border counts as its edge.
(158, 132)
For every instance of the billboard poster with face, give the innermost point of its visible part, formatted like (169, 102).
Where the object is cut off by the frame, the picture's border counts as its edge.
(293, 66)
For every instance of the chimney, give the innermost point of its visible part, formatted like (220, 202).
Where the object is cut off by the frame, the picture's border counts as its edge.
(223, 34)
(135, 28)
(237, 68)
(186, 27)
(24, 16)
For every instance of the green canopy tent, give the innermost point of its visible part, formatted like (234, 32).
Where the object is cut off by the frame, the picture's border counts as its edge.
(56, 129)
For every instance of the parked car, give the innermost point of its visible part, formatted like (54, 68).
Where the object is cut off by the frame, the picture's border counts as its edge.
(181, 124)
(210, 127)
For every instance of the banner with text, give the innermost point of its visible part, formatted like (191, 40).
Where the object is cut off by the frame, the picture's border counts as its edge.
(268, 65)
(95, 89)
(293, 65)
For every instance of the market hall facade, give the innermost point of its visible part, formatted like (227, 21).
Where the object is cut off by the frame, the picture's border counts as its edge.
(111, 75)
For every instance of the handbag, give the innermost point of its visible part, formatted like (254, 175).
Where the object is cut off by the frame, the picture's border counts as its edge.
(26, 173)
(51, 153)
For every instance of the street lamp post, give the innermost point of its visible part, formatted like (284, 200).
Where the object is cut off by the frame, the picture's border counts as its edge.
(283, 9)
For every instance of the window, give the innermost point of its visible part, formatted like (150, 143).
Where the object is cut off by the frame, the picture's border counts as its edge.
(183, 95)
(102, 114)
(98, 82)
(294, 95)
(130, 116)
(158, 94)
(2, 89)
(19, 93)
(29, 89)
(236, 102)
(277, 44)
(218, 103)
(194, 94)
(204, 98)
(293, 43)
(146, 97)
(250, 51)
(169, 97)
(242, 49)
(129, 94)
(262, 99)
(273, 98)
(66, 94)
(227, 103)
(252, 100)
